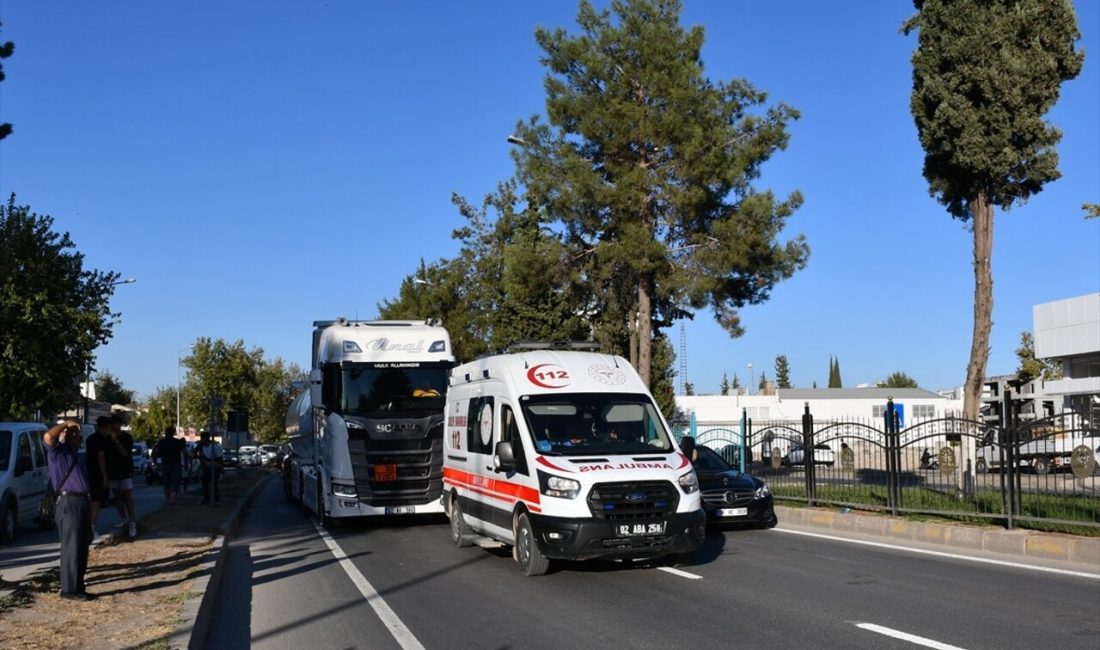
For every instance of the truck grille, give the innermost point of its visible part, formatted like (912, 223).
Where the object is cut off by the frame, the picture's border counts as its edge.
(419, 465)
(633, 500)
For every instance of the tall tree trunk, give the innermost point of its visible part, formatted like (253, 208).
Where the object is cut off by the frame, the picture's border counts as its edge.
(645, 331)
(632, 327)
(982, 215)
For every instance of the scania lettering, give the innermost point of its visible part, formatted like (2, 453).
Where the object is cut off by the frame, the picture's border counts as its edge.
(367, 434)
(563, 454)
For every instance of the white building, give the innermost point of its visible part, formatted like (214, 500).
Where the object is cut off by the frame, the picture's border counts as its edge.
(856, 404)
(1069, 330)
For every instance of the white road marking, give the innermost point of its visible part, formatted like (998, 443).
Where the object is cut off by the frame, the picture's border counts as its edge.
(401, 634)
(905, 636)
(954, 556)
(682, 574)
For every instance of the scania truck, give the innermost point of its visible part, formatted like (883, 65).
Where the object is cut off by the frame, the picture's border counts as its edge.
(368, 432)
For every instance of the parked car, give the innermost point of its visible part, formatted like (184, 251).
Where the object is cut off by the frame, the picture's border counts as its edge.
(137, 452)
(269, 453)
(730, 496)
(249, 455)
(823, 455)
(25, 494)
(230, 458)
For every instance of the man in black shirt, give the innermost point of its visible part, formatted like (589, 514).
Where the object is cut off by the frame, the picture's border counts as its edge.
(170, 451)
(97, 469)
(118, 450)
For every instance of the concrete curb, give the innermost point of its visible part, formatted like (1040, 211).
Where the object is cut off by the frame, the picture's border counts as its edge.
(194, 623)
(1022, 543)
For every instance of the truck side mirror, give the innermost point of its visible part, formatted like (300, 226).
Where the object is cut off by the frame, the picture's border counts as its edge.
(687, 445)
(315, 387)
(503, 458)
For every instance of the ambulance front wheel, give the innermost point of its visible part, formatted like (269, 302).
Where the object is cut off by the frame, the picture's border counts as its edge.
(460, 532)
(531, 560)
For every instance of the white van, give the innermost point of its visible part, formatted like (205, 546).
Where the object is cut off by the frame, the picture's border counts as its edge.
(564, 454)
(24, 478)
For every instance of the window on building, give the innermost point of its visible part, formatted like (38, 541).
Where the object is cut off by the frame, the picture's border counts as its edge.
(924, 411)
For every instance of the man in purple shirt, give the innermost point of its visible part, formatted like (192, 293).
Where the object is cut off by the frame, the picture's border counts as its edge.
(69, 476)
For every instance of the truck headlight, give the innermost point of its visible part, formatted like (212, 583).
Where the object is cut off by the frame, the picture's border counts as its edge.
(557, 486)
(689, 482)
(344, 490)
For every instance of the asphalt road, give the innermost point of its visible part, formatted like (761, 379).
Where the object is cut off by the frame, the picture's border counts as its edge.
(285, 588)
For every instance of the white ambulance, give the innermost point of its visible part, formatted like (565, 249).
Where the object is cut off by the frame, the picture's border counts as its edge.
(564, 454)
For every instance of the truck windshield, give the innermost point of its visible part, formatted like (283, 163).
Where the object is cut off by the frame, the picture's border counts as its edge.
(584, 424)
(388, 391)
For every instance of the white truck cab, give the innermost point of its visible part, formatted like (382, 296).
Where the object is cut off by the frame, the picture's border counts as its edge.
(564, 454)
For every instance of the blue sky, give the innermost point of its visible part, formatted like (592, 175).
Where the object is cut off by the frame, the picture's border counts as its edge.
(257, 166)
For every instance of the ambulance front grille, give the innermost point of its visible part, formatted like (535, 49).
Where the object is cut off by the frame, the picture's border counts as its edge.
(633, 500)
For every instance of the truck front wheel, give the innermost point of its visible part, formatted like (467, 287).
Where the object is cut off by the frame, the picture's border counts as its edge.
(1041, 465)
(531, 560)
(980, 466)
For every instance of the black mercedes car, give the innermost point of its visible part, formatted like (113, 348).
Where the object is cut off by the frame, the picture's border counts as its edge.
(730, 496)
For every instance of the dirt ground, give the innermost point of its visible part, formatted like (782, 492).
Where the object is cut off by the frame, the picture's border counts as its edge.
(140, 584)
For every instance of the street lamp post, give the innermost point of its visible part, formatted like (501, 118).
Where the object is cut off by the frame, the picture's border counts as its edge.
(178, 353)
(752, 379)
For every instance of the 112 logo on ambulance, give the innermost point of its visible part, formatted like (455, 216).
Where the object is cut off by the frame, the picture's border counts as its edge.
(548, 375)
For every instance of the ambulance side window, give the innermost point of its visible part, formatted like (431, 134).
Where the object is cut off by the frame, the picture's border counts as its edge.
(510, 433)
(479, 426)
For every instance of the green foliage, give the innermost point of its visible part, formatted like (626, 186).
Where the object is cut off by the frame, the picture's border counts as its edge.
(1032, 368)
(763, 381)
(984, 74)
(243, 379)
(53, 314)
(898, 380)
(834, 373)
(782, 372)
(109, 389)
(724, 387)
(1092, 210)
(156, 413)
(736, 383)
(647, 166)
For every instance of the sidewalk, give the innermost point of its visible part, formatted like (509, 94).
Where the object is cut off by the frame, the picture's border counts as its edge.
(142, 585)
(1020, 545)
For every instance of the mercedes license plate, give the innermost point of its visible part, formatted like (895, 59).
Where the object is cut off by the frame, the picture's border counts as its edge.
(733, 512)
(400, 510)
(638, 529)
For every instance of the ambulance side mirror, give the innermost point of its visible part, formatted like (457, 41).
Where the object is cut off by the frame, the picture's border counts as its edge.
(503, 458)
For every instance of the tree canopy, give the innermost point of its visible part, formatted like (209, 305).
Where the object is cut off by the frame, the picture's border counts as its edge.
(54, 312)
(898, 380)
(985, 73)
(110, 389)
(782, 372)
(1032, 367)
(647, 167)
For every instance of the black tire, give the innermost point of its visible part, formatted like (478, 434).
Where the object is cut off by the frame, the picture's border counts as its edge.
(527, 554)
(980, 466)
(1041, 465)
(460, 532)
(8, 520)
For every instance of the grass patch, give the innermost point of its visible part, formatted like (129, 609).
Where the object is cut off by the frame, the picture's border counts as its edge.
(981, 508)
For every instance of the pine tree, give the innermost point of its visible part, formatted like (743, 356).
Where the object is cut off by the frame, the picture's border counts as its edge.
(985, 73)
(724, 387)
(782, 372)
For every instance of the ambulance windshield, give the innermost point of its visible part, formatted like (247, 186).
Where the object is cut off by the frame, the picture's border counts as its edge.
(393, 389)
(582, 424)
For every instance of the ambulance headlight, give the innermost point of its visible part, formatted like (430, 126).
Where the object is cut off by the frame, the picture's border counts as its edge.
(556, 486)
(438, 346)
(689, 483)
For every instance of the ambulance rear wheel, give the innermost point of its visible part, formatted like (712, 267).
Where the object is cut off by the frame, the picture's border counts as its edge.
(531, 560)
(460, 532)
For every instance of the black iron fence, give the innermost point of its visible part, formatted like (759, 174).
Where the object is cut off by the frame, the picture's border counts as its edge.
(1044, 472)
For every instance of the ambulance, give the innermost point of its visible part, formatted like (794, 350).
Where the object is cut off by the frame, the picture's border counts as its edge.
(563, 454)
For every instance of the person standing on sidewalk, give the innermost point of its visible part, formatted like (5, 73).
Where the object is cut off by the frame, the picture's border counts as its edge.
(74, 528)
(94, 457)
(120, 472)
(211, 457)
(172, 454)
